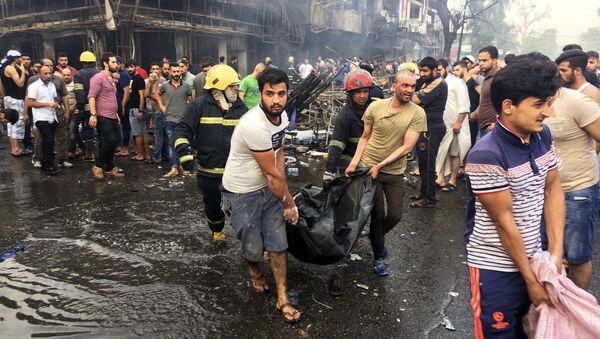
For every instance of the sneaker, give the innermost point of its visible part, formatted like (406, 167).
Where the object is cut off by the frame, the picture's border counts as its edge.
(65, 164)
(380, 268)
(98, 173)
(218, 236)
(114, 174)
(51, 170)
(36, 163)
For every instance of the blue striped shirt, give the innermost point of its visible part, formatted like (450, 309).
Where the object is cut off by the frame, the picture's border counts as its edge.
(503, 161)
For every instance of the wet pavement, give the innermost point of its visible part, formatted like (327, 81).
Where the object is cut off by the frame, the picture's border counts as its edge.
(133, 258)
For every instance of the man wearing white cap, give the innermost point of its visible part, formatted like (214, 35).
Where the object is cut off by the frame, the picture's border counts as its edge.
(13, 77)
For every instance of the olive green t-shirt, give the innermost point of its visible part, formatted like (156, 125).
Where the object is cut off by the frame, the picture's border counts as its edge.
(387, 135)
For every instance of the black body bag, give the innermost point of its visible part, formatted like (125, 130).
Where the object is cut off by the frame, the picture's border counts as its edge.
(330, 220)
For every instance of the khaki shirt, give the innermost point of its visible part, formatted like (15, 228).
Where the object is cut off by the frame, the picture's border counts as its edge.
(387, 135)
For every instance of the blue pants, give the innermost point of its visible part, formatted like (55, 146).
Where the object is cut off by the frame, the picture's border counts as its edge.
(499, 301)
(161, 146)
(173, 159)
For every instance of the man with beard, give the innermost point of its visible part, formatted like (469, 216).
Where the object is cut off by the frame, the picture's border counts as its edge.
(462, 71)
(432, 97)
(349, 124)
(485, 113)
(102, 98)
(62, 61)
(392, 128)
(211, 119)
(255, 187)
(571, 67)
(14, 80)
(136, 114)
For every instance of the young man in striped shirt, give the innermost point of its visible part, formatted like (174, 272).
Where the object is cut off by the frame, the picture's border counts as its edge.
(512, 180)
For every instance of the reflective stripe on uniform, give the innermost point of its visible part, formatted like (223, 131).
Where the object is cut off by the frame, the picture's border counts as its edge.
(231, 122)
(186, 158)
(337, 144)
(346, 157)
(216, 222)
(376, 99)
(78, 87)
(180, 141)
(219, 121)
(354, 140)
(211, 170)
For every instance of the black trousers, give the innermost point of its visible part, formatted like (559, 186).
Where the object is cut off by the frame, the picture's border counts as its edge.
(47, 131)
(427, 150)
(211, 195)
(392, 187)
(109, 137)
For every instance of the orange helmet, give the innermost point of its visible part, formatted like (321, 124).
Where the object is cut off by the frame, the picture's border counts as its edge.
(357, 79)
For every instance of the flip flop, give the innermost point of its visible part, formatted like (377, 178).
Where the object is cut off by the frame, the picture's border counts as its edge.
(290, 317)
(422, 204)
(136, 159)
(414, 174)
(449, 188)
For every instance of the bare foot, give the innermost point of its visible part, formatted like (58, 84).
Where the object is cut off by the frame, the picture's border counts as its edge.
(172, 173)
(259, 282)
(290, 314)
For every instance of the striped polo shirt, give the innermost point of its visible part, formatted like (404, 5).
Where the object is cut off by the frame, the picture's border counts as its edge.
(503, 161)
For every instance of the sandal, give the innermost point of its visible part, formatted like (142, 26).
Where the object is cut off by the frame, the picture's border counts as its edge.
(438, 186)
(135, 158)
(422, 204)
(289, 317)
(415, 197)
(22, 153)
(449, 188)
(414, 173)
(118, 169)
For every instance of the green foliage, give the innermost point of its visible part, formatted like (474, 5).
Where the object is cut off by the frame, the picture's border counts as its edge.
(490, 28)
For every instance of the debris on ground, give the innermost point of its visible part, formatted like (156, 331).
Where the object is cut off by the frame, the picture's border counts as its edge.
(355, 257)
(447, 324)
(453, 294)
(321, 303)
(364, 287)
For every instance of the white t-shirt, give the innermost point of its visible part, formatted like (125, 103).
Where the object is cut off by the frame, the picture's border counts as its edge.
(305, 70)
(254, 133)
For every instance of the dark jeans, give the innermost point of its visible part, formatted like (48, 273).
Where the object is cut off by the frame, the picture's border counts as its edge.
(109, 137)
(211, 195)
(87, 133)
(160, 136)
(47, 131)
(126, 126)
(75, 138)
(27, 139)
(473, 127)
(427, 150)
(392, 186)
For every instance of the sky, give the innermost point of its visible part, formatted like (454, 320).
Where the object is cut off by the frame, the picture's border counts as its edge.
(569, 17)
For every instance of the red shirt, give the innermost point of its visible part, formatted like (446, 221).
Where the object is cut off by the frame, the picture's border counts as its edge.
(104, 90)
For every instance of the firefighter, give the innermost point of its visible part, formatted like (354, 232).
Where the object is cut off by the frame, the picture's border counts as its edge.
(81, 90)
(349, 125)
(211, 118)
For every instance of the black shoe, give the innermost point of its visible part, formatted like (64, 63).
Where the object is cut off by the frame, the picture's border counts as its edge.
(333, 287)
(51, 170)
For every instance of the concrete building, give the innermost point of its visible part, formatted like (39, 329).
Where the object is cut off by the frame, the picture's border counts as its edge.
(147, 30)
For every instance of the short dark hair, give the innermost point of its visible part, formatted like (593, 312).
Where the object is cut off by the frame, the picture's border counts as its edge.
(443, 63)
(221, 58)
(428, 62)
(168, 63)
(273, 76)
(591, 54)
(130, 62)
(106, 58)
(173, 64)
(576, 58)
(529, 75)
(491, 50)
(460, 63)
(153, 63)
(185, 62)
(572, 46)
(509, 58)
(11, 115)
(60, 55)
(207, 62)
(25, 54)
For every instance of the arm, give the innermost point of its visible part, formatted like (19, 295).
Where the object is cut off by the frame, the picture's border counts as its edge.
(337, 144)
(142, 100)
(499, 207)
(65, 107)
(125, 100)
(416, 99)
(92, 104)
(554, 216)
(35, 104)
(183, 134)
(360, 149)
(11, 72)
(242, 94)
(410, 139)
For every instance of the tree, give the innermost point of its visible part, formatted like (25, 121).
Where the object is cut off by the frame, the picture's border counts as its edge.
(528, 17)
(545, 43)
(453, 20)
(491, 28)
(590, 39)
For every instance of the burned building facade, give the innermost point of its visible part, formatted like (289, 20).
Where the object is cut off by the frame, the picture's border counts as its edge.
(147, 30)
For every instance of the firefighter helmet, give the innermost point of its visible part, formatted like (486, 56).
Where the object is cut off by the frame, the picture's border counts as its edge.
(87, 57)
(220, 77)
(357, 79)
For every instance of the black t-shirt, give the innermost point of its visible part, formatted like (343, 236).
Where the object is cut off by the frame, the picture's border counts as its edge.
(434, 104)
(473, 95)
(137, 84)
(592, 78)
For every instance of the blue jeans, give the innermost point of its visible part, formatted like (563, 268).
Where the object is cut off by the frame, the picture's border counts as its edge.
(171, 141)
(582, 213)
(161, 146)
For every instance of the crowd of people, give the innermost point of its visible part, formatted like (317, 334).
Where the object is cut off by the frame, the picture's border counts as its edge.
(522, 132)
